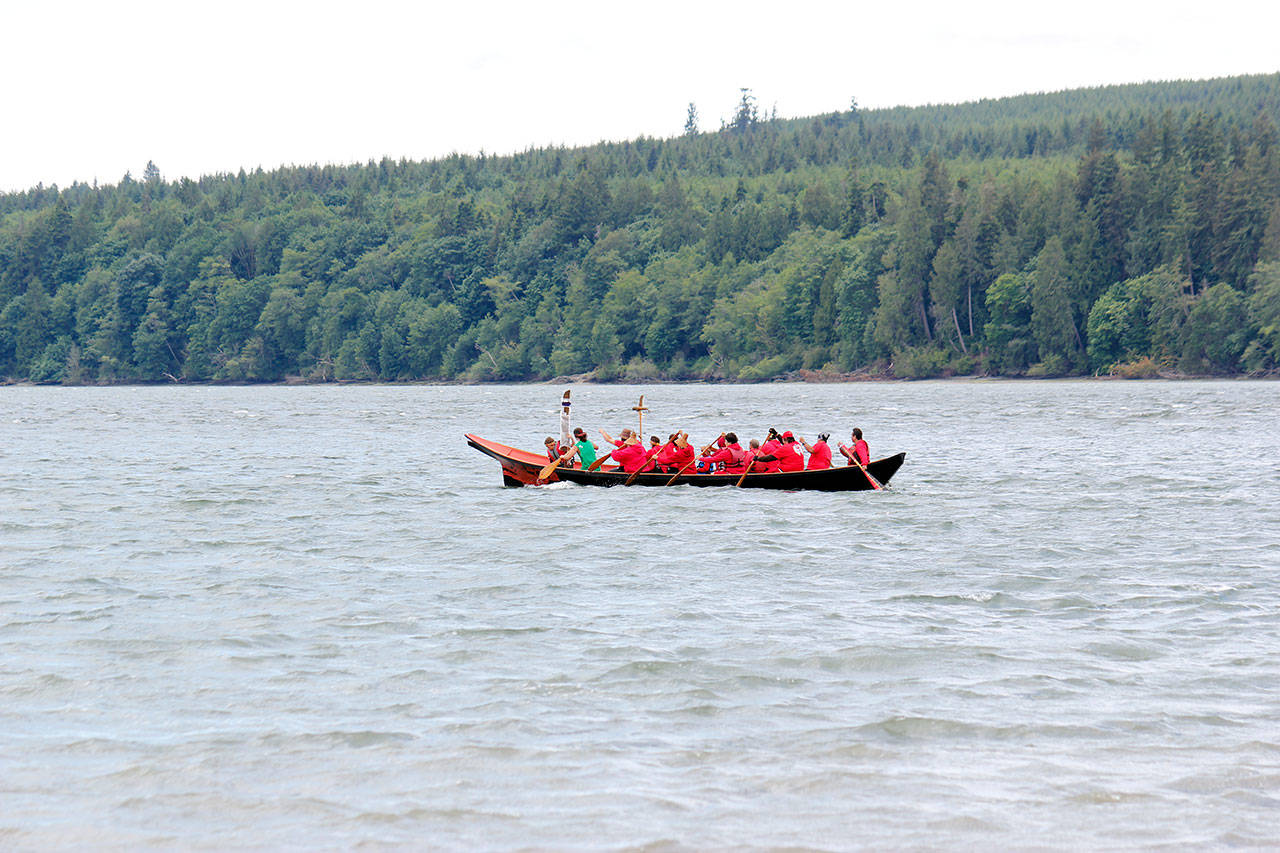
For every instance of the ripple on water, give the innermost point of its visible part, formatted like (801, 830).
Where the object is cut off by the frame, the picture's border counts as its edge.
(265, 616)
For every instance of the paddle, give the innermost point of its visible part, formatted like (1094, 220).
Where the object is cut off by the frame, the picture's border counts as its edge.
(745, 473)
(693, 461)
(853, 457)
(594, 465)
(546, 472)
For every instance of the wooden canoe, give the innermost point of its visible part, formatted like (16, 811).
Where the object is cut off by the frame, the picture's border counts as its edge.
(521, 467)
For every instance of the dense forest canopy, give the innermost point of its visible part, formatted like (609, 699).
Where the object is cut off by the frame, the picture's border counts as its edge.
(1128, 230)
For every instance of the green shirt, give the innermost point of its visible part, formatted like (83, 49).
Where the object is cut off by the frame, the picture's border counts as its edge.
(586, 452)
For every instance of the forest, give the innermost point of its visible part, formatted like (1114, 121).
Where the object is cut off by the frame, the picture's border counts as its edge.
(1128, 231)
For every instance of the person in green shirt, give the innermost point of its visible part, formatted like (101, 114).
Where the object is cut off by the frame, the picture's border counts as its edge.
(585, 450)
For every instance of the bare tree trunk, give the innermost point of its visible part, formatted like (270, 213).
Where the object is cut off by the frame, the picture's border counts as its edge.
(959, 334)
(971, 309)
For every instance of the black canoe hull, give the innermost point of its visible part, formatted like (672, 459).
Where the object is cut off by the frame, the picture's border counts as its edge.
(521, 468)
(847, 478)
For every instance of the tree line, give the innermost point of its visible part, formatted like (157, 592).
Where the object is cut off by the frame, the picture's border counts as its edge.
(1132, 230)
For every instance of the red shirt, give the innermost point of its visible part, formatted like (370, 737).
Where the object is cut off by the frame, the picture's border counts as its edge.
(820, 457)
(733, 457)
(632, 457)
(789, 458)
(769, 448)
(860, 450)
(678, 457)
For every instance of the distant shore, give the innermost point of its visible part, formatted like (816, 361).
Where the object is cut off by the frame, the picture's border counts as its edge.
(794, 378)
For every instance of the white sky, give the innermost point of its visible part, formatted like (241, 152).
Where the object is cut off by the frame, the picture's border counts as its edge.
(94, 89)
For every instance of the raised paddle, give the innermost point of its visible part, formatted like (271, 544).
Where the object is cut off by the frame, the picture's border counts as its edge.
(693, 461)
(853, 457)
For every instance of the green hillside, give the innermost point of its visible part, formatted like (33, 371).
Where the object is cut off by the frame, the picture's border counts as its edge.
(1125, 229)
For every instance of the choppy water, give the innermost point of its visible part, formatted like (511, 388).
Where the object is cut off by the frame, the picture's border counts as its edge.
(311, 617)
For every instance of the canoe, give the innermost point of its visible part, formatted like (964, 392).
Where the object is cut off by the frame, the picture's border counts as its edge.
(521, 468)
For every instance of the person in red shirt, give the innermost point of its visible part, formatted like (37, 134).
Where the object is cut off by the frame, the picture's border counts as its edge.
(819, 453)
(859, 451)
(675, 454)
(631, 456)
(622, 438)
(789, 458)
(730, 455)
(767, 456)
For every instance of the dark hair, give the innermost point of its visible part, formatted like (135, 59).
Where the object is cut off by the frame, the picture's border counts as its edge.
(823, 436)
(730, 437)
(857, 433)
(579, 431)
(548, 440)
(653, 439)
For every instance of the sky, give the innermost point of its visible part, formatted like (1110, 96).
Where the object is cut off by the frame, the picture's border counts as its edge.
(92, 90)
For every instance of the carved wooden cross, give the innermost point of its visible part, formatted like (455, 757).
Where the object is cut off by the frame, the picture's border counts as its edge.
(640, 409)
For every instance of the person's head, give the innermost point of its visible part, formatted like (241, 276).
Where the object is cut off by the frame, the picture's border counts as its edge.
(731, 438)
(788, 438)
(627, 433)
(549, 441)
(653, 439)
(823, 436)
(755, 444)
(857, 434)
(580, 434)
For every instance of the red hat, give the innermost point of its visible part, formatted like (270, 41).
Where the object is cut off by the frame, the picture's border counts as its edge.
(787, 434)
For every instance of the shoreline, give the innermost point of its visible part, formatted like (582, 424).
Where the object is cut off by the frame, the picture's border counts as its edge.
(586, 379)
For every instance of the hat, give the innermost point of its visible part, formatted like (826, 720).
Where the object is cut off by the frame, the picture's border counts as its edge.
(787, 434)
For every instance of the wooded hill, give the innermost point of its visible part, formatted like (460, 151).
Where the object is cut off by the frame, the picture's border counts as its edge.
(1127, 229)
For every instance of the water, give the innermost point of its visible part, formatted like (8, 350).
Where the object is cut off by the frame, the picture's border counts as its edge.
(311, 617)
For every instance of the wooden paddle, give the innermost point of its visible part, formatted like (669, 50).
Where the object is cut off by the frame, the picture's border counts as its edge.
(853, 457)
(693, 461)
(546, 471)
(747, 471)
(599, 461)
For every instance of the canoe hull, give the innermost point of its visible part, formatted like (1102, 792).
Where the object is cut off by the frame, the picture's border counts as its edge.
(521, 468)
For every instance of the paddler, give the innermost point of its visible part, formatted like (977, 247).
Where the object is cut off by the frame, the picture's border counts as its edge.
(819, 453)
(766, 457)
(730, 455)
(859, 451)
(585, 450)
(789, 458)
(630, 455)
(675, 454)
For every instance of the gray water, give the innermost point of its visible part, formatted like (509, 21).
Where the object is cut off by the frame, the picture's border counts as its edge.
(311, 617)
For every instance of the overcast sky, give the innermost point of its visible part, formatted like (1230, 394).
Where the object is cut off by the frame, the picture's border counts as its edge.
(95, 89)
